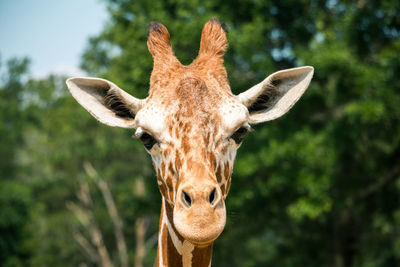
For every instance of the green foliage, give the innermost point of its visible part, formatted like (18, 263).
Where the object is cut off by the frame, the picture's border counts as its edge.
(11, 117)
(15, 203)
(323, 178)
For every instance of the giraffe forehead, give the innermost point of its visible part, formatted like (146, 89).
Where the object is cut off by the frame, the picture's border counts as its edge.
(194, 105)
(152, 117)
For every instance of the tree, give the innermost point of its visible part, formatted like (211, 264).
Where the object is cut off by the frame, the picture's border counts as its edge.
(12, 117)
(15, 198)
(62, 138)
(325, 175)
(45, 141)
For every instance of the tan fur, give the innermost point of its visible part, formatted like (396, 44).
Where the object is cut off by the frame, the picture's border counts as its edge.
(213, 40)
(192, 94)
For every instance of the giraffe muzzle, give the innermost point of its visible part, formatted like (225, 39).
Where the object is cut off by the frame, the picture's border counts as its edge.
(199, 213)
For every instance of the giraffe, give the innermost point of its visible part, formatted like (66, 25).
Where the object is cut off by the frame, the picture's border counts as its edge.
(191, 124)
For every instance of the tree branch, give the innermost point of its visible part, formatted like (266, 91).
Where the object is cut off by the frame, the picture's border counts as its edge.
(112, 210)
(141, 250)
(82, 241)
(85, 215)
(386, 179)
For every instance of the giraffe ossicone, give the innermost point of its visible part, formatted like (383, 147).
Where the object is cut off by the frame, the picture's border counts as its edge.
(191, 124)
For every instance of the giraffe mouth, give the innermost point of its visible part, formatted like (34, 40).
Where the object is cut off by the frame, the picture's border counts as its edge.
(203, 244)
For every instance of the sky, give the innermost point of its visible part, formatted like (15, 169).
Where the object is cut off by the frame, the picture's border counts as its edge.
(52, 33)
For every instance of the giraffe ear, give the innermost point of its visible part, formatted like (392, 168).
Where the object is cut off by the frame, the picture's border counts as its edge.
(105, 101)
(274, 96)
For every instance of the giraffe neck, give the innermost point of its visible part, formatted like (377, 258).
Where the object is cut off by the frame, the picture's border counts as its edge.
(173, 250)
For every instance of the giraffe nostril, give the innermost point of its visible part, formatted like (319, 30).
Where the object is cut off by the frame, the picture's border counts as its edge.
(186, 199)
(213, 196)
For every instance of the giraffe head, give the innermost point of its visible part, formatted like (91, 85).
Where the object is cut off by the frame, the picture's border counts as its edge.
(191, 124)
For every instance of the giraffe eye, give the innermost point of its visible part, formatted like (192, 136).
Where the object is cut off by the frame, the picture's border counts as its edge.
(238, 136)
(147, 140)
(240, 133)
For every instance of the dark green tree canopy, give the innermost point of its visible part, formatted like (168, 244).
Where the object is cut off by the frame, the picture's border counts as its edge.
(318, 187)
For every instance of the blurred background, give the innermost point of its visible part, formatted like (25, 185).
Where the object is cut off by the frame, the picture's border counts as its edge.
(317, 187)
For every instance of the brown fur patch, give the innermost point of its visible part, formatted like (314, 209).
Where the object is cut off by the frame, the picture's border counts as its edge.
(191, 92)
(212, 160)
(170, 213)
(228, 186)
(218, 173)
(171, 195)
(224, 149)
(168, 181)
(174, 258)
(177, 133)
(223, 189)
(162, 169)
(187, 127)
(160, 232)
(177, 162)
(201, 256)
(166, 152)
(164, 240)
(185, 146)
(226, 170)
(171, 168)
(163, 189)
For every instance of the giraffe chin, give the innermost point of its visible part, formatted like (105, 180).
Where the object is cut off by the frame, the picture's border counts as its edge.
(203, 244)
(200, 244)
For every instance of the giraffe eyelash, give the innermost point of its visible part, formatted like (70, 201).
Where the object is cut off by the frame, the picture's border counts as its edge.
(248, 127)
(147, 139)
(240, 133)
(139, 132)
